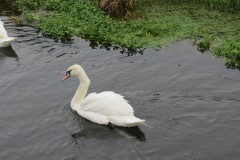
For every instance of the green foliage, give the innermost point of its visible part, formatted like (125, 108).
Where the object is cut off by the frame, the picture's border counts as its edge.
(16, 19)
(164, 22)
(203, 43)
(231, 51)
(220, 5)
(64, 18)
(28, 4)
(63, 29)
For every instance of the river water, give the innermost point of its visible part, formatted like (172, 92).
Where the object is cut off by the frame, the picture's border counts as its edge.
(190, 102)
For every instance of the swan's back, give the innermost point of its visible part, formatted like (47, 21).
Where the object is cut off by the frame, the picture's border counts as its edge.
(108, 107)
(107, 103)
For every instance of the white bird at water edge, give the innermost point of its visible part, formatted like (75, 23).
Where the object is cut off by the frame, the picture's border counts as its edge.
(107, 108)
(5, 41)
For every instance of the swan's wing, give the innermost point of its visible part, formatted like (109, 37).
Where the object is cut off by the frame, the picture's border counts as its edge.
(103, 96)
(107, 103)
(94, 117)
(3, 32)
(115, 96)
(89, 99)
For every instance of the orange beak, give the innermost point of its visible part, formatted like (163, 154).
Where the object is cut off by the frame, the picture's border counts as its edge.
(66, 76)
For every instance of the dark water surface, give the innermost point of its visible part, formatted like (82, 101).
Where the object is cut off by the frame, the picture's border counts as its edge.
(190, 100)
(8, 7)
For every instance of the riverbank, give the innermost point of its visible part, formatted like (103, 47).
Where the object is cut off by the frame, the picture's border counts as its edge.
(154, 25)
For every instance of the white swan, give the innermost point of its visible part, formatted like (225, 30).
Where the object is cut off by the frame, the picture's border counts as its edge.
(102, 108)
(5, 41)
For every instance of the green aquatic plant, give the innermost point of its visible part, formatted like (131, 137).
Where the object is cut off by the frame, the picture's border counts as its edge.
(230, 50)
(203, 42)
(164, 22)
(16, 19)
(83, 18)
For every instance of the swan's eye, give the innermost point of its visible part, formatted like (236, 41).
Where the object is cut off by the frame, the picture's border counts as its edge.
(68, 72)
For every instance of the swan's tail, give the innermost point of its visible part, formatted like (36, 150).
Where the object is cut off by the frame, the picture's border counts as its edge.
(125, 121)
(6, 41)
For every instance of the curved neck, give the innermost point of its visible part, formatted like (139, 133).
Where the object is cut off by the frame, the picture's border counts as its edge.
(82, 88)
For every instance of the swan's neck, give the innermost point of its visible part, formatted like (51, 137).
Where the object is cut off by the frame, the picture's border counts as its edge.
(81, 90)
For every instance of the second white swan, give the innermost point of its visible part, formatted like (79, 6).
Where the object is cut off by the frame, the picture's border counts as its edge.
(5, 41)
(102, 108)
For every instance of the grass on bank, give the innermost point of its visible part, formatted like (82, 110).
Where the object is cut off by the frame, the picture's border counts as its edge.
(211, 24)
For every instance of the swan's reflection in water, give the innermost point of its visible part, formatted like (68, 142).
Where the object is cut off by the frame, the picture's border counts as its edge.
(127, 132)
(90, 130)
(8, 52)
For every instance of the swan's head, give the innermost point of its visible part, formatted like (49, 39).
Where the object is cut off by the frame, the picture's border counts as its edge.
(73, 70)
